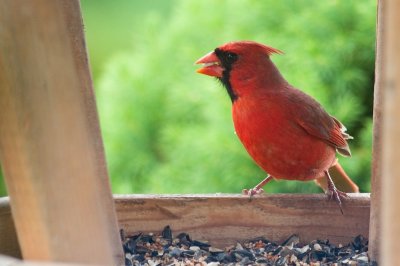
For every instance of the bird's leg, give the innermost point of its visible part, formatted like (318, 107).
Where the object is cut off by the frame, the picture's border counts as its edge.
(334, 193)
(257, 189)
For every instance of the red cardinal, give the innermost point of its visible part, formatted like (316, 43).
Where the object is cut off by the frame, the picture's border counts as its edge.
(285, 131)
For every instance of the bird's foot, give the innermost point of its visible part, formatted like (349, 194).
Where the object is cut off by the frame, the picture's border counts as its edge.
(252, 192)
(257, 190)
(335, 194)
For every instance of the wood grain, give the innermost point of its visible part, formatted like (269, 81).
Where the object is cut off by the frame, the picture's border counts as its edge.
(50, 144)
(390, 209)
(224, 219)
(375, 232)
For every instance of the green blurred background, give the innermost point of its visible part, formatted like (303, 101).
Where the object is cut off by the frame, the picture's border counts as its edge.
(167, 129)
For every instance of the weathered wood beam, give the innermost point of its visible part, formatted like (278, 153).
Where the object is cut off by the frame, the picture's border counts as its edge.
(376, 167)
(390, 157)
(224, 219)
(50, 144)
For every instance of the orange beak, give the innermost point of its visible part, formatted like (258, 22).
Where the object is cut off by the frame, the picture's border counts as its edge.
(211, 65)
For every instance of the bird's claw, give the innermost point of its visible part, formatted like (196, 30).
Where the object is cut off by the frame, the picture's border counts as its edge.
(337, 195)
(334, 193)
(252, 192)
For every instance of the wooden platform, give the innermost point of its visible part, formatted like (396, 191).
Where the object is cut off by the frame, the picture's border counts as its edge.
(224, 219)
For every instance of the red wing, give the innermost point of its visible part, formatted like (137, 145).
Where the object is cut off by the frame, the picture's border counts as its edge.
(317, 122)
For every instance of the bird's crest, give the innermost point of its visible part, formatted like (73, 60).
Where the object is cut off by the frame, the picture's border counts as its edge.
(246, 45)
(270, 50)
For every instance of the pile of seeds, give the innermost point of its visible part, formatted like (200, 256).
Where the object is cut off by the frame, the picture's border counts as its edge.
(164, 249)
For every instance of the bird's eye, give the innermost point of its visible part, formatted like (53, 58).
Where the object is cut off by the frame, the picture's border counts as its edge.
(231, 57)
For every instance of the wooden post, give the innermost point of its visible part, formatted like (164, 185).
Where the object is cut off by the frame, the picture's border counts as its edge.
(391, 134)
(386, 186)
(376, 174)
(50, 143)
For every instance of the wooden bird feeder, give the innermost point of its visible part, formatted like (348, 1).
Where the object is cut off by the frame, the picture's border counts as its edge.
(53, 160)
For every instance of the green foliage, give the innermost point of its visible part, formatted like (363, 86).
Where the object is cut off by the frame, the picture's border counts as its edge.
(3, 191)
(168, 130)
(109, 25)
